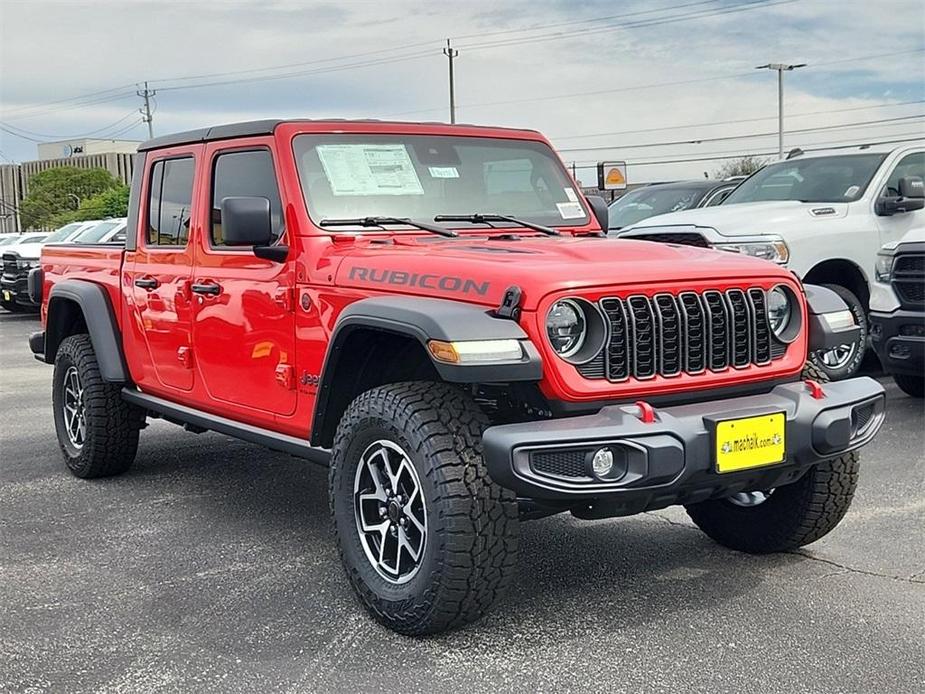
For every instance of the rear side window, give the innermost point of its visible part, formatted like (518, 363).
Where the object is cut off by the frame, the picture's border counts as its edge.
(248, 174)
(169, 200)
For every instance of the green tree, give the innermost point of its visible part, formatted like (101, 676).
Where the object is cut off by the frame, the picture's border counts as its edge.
(743, 166)
(109, 203)
(55, 193)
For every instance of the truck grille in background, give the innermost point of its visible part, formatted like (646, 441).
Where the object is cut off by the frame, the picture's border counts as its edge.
(680, 238)
(9, 264)
(909, 279)
(688, 333)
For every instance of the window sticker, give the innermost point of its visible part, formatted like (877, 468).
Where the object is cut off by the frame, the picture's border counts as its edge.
(570, 194)
(369, 169)
(443, 172)
(852, 191)
(570, 210)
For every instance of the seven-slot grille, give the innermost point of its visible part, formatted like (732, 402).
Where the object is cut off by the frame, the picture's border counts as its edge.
(909, 279)
(690, 332)
(10, 264)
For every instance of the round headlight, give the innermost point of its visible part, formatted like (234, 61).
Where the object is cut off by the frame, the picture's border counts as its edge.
(566, 327)
(780, 309)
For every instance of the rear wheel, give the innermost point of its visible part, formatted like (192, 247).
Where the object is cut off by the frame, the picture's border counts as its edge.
(97, 430)
(844, 361)
(781, 519)
(428, 540)
(911, 384)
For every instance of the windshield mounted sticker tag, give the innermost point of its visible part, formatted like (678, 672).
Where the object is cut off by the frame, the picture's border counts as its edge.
(570, 194)
(443, 172)
(570, 210)
(369, 170)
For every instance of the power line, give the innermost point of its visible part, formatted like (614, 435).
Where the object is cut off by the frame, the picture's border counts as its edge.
(736, 121)
(72, 137)
(80, 97)
(817, 147)
(723, 138)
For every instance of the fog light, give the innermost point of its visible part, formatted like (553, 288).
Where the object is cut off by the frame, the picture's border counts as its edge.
(602, 462)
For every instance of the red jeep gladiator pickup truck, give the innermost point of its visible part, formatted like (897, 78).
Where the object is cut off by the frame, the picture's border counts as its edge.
(432, 312)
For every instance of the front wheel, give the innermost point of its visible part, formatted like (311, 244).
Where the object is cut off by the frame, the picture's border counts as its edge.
(781, 519)
(428, 540)
(844, 361)
(911, 384)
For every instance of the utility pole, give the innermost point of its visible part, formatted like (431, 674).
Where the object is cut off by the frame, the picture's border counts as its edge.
(781, 68)
(145, 111)
(451, 53)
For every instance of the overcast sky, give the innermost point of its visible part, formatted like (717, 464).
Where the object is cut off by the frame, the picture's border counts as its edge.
(595, 73)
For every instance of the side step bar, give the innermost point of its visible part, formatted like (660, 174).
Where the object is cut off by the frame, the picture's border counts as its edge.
(245, 432)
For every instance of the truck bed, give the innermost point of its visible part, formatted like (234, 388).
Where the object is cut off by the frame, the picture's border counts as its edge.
(98, 263)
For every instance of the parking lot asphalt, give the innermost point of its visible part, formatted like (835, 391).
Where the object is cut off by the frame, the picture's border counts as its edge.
(210, 566)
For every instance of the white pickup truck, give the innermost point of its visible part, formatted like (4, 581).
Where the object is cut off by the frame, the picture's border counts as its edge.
(823, 215)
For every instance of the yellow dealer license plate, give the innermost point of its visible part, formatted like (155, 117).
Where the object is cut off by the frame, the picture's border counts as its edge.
(750, 442)
(7, 295)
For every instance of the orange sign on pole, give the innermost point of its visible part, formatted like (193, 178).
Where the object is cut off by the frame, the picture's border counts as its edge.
(611, 175)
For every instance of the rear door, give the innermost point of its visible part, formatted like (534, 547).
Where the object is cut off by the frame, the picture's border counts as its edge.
(159, 277)
(244, 319)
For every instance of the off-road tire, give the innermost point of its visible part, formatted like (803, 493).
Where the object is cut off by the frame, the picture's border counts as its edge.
(793, 515)
(911, 384)
(470, 552)
(860, 317)
(112, 425)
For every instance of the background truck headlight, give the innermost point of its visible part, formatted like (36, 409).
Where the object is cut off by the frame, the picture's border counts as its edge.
(883, 270)
(774, 250)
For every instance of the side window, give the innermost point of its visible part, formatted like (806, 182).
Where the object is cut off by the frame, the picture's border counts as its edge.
(910, 165)
(169, 199)
(247, 173)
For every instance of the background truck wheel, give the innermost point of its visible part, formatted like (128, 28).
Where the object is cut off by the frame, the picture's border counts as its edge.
(788, 517)
(97, 430)
(911, 384)
(845, 361)
(428, 540)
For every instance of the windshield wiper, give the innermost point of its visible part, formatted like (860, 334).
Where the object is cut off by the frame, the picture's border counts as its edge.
(488, 218)
(382, 221)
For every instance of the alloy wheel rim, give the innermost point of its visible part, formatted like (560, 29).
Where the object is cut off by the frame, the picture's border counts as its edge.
(837, 357)
(391, 517)
(749, 499)
(75, 416)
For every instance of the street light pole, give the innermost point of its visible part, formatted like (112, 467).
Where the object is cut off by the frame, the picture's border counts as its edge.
(781, 68)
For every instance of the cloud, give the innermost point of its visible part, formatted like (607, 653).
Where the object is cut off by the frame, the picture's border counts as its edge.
(573, 82)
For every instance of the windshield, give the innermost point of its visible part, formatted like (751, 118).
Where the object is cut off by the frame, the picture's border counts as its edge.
(31, 238)
(7, 240)
(643, 203)
(820, 179)
(96, 234)
(62, 233)
(422, 176)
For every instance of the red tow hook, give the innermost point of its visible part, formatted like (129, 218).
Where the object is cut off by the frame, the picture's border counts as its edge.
(646, 412)
(815, 390)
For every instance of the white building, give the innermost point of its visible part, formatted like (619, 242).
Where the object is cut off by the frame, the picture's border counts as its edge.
(64, 149)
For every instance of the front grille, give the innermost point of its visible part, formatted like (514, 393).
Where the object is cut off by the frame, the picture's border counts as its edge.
(679, 238)
(569, 463)
(909, 279)
(691, 332)
(10, 266)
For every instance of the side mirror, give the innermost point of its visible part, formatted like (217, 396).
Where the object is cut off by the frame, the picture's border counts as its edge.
(246, 221)
(599, 208)
(911, 187)
(911, 197)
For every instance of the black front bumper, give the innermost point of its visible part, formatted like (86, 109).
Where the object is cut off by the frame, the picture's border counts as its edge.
(671, 459)
(899, 340)
(16, 288)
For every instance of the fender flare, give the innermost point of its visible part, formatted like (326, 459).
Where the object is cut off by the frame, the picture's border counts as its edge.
(825, 322)
(424, 319)
(101, 323)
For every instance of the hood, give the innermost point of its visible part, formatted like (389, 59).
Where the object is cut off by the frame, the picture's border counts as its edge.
(26, 251)
(480, 270)
(749, 218)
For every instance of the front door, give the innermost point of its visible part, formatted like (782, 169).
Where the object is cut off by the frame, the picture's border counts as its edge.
(160, 273)
(893, 228)
(244, 318)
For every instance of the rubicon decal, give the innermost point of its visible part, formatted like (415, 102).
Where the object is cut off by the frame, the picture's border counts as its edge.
(399, 278)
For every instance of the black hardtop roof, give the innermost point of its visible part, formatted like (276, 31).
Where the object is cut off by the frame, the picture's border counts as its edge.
(264, 127)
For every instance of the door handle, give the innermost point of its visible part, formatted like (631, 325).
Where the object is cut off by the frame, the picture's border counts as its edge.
(207, 288)
(148, 283)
